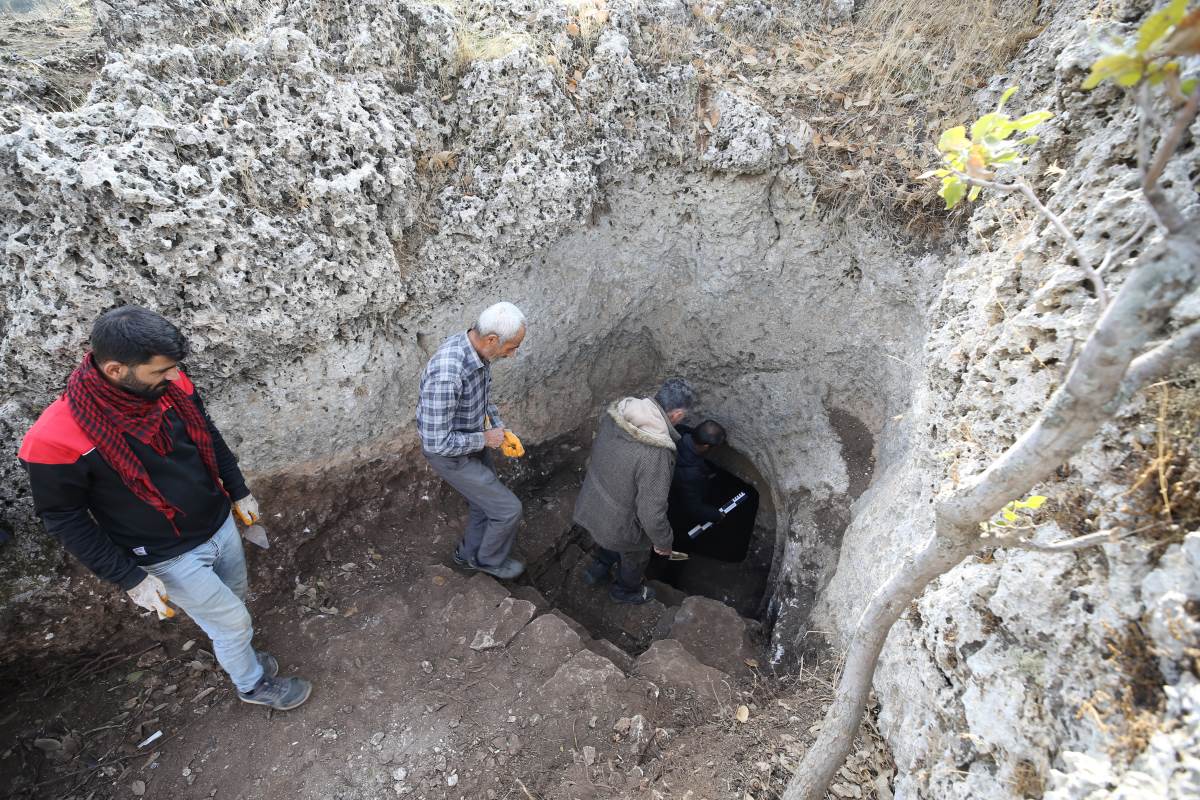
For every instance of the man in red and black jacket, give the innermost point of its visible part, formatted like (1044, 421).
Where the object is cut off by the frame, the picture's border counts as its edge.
(130, 474)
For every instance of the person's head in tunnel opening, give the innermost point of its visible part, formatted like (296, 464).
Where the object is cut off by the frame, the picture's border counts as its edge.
(498, 332)
(676, 398)
(707, 435)
(137, 350)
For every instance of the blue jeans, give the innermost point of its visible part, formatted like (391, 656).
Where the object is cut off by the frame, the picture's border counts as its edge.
(209, 583)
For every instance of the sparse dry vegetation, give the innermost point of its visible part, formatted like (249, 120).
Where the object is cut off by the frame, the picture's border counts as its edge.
(1164, 493)
(1130, 715)
(875, 92)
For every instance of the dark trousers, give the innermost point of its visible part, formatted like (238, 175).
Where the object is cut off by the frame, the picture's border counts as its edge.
(631, 566)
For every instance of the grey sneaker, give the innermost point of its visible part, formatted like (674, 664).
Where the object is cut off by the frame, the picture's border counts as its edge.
(281, 694)
(506, 571)
(464, 562)
(269, 664)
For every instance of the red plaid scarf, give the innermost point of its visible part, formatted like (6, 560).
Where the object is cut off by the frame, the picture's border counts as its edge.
(106, 412)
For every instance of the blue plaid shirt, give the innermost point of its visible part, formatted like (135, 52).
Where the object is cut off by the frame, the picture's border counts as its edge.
(455, 392)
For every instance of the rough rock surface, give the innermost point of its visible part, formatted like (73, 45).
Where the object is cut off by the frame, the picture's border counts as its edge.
(715, 633)
(318, 192)
(672, 666)
(1016, 663)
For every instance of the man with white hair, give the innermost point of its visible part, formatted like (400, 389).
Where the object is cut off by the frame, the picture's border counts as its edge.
(460, 427)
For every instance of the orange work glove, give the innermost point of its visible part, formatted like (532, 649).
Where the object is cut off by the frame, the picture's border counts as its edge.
(512, 445)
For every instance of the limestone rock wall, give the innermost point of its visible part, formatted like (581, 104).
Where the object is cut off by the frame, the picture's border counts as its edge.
(1027, 672)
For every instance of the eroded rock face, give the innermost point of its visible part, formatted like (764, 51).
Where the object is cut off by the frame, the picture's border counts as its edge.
(319, 192)
(1021, 660)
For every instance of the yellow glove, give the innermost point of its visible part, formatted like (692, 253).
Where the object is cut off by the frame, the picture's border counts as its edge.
(512, 445)
(246, 510)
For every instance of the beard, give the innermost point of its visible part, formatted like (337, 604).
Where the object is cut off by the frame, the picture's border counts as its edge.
(146, 391)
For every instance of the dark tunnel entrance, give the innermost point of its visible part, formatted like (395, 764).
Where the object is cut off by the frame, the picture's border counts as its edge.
(723, 562)
(729, 562)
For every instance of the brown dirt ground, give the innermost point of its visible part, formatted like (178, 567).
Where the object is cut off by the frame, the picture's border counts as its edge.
(344, 605)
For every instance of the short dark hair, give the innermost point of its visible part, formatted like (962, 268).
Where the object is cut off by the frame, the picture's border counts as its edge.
(710, 433)
(676, 393)
(132, 335)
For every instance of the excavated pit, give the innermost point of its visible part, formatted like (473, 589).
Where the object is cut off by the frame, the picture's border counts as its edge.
(795, 329)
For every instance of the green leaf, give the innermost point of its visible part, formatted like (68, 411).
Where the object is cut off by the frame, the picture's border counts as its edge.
(1010, 516)
(954, 139)
(974, 193)
(1009, 92)
(1128, 79)
(995, 125)
(1031, 120)
(952, 190)
(1187, 86)
(1035, 501)
(1158, 23)
(1028, 140)
(1124, 68)
(933, 173)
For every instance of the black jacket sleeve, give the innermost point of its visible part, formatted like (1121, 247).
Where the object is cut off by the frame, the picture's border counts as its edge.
(227, 463)
(691, 490)
(60, 499)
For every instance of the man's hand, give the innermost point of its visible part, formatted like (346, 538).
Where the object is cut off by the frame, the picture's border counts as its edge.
(246, 510)
(151, 595)
(662, 551)
(493, 437)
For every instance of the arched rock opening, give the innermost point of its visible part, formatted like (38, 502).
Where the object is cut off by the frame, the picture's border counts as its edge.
(796, 329)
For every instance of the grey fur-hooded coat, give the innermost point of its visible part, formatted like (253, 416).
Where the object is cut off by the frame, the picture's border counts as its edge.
(623, 502)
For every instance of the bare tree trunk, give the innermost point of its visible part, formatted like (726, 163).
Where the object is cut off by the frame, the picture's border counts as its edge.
(1089, 396)
(939, 555)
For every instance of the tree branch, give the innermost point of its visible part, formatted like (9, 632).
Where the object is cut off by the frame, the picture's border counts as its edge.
(1067, 545)
(1085, 261)
(1163, 275)
(1174, 354)
(1117, 254)
(1168, 214)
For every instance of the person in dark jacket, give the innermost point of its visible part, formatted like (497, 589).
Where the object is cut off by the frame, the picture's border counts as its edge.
(131, 475)
(690, 486)
(623, 501)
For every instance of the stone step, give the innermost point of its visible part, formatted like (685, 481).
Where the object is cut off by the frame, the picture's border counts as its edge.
(715, 634)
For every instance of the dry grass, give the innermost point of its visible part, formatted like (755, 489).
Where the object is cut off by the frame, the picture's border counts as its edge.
(1131, 717)
(482, 45)
(876, 92)
(1163, 499)
(1028, 781)
(936, 50)
(588, 18)
(480, 38)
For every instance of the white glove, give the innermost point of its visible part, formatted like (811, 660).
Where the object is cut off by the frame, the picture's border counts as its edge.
(246, 510)
(151, 595)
